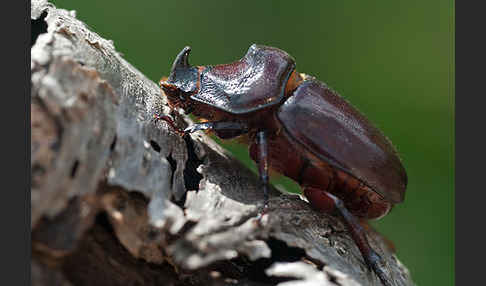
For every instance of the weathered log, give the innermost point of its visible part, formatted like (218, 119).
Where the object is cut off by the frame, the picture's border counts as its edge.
(118, 198)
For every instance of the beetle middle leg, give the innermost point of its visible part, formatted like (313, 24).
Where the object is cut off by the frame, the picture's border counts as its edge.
(262, 143)
(230, 129)
(327, 202)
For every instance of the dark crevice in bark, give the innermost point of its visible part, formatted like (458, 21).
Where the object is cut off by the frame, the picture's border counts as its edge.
(113, 143)
(38, 26)
(61, 233)
(283, 253)
(155, 146)
(103, 221)
(74, 168)
(101, 259)
(255, 270)
(191, 175)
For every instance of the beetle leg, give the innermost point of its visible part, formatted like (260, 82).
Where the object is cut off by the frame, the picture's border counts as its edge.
(169, 121)
(263, 166)
(199, 126)
(224, 129)
(327, 202)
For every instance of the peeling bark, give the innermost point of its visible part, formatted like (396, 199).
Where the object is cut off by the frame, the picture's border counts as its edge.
(118, 198)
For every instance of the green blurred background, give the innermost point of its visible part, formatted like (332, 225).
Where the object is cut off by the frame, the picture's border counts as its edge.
(394, 60)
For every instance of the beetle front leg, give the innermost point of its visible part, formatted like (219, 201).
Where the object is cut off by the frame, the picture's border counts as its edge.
(223, 129)
(169, 121)
(262, 144)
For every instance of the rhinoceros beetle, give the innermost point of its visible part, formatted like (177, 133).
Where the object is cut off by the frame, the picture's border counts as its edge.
(299, 127)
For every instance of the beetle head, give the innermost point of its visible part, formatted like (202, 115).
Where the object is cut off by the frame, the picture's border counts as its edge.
(182, 81)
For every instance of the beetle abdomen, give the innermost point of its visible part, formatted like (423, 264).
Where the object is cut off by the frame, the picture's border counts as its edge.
(316, 176)
(330, 128)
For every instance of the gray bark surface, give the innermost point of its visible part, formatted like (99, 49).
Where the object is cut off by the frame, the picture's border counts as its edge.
(120, 199)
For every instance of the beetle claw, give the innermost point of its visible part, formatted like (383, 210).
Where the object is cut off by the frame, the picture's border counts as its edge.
(190, 129)
(197, 127)
(168, 120)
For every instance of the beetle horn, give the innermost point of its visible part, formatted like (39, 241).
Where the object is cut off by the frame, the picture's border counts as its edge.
(182, 60)
(182, 75)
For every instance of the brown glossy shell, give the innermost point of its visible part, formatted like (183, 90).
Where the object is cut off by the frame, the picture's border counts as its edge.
(256, 81)
(328, 126)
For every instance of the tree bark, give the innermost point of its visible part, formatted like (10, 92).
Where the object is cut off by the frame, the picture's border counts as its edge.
(120, 199)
